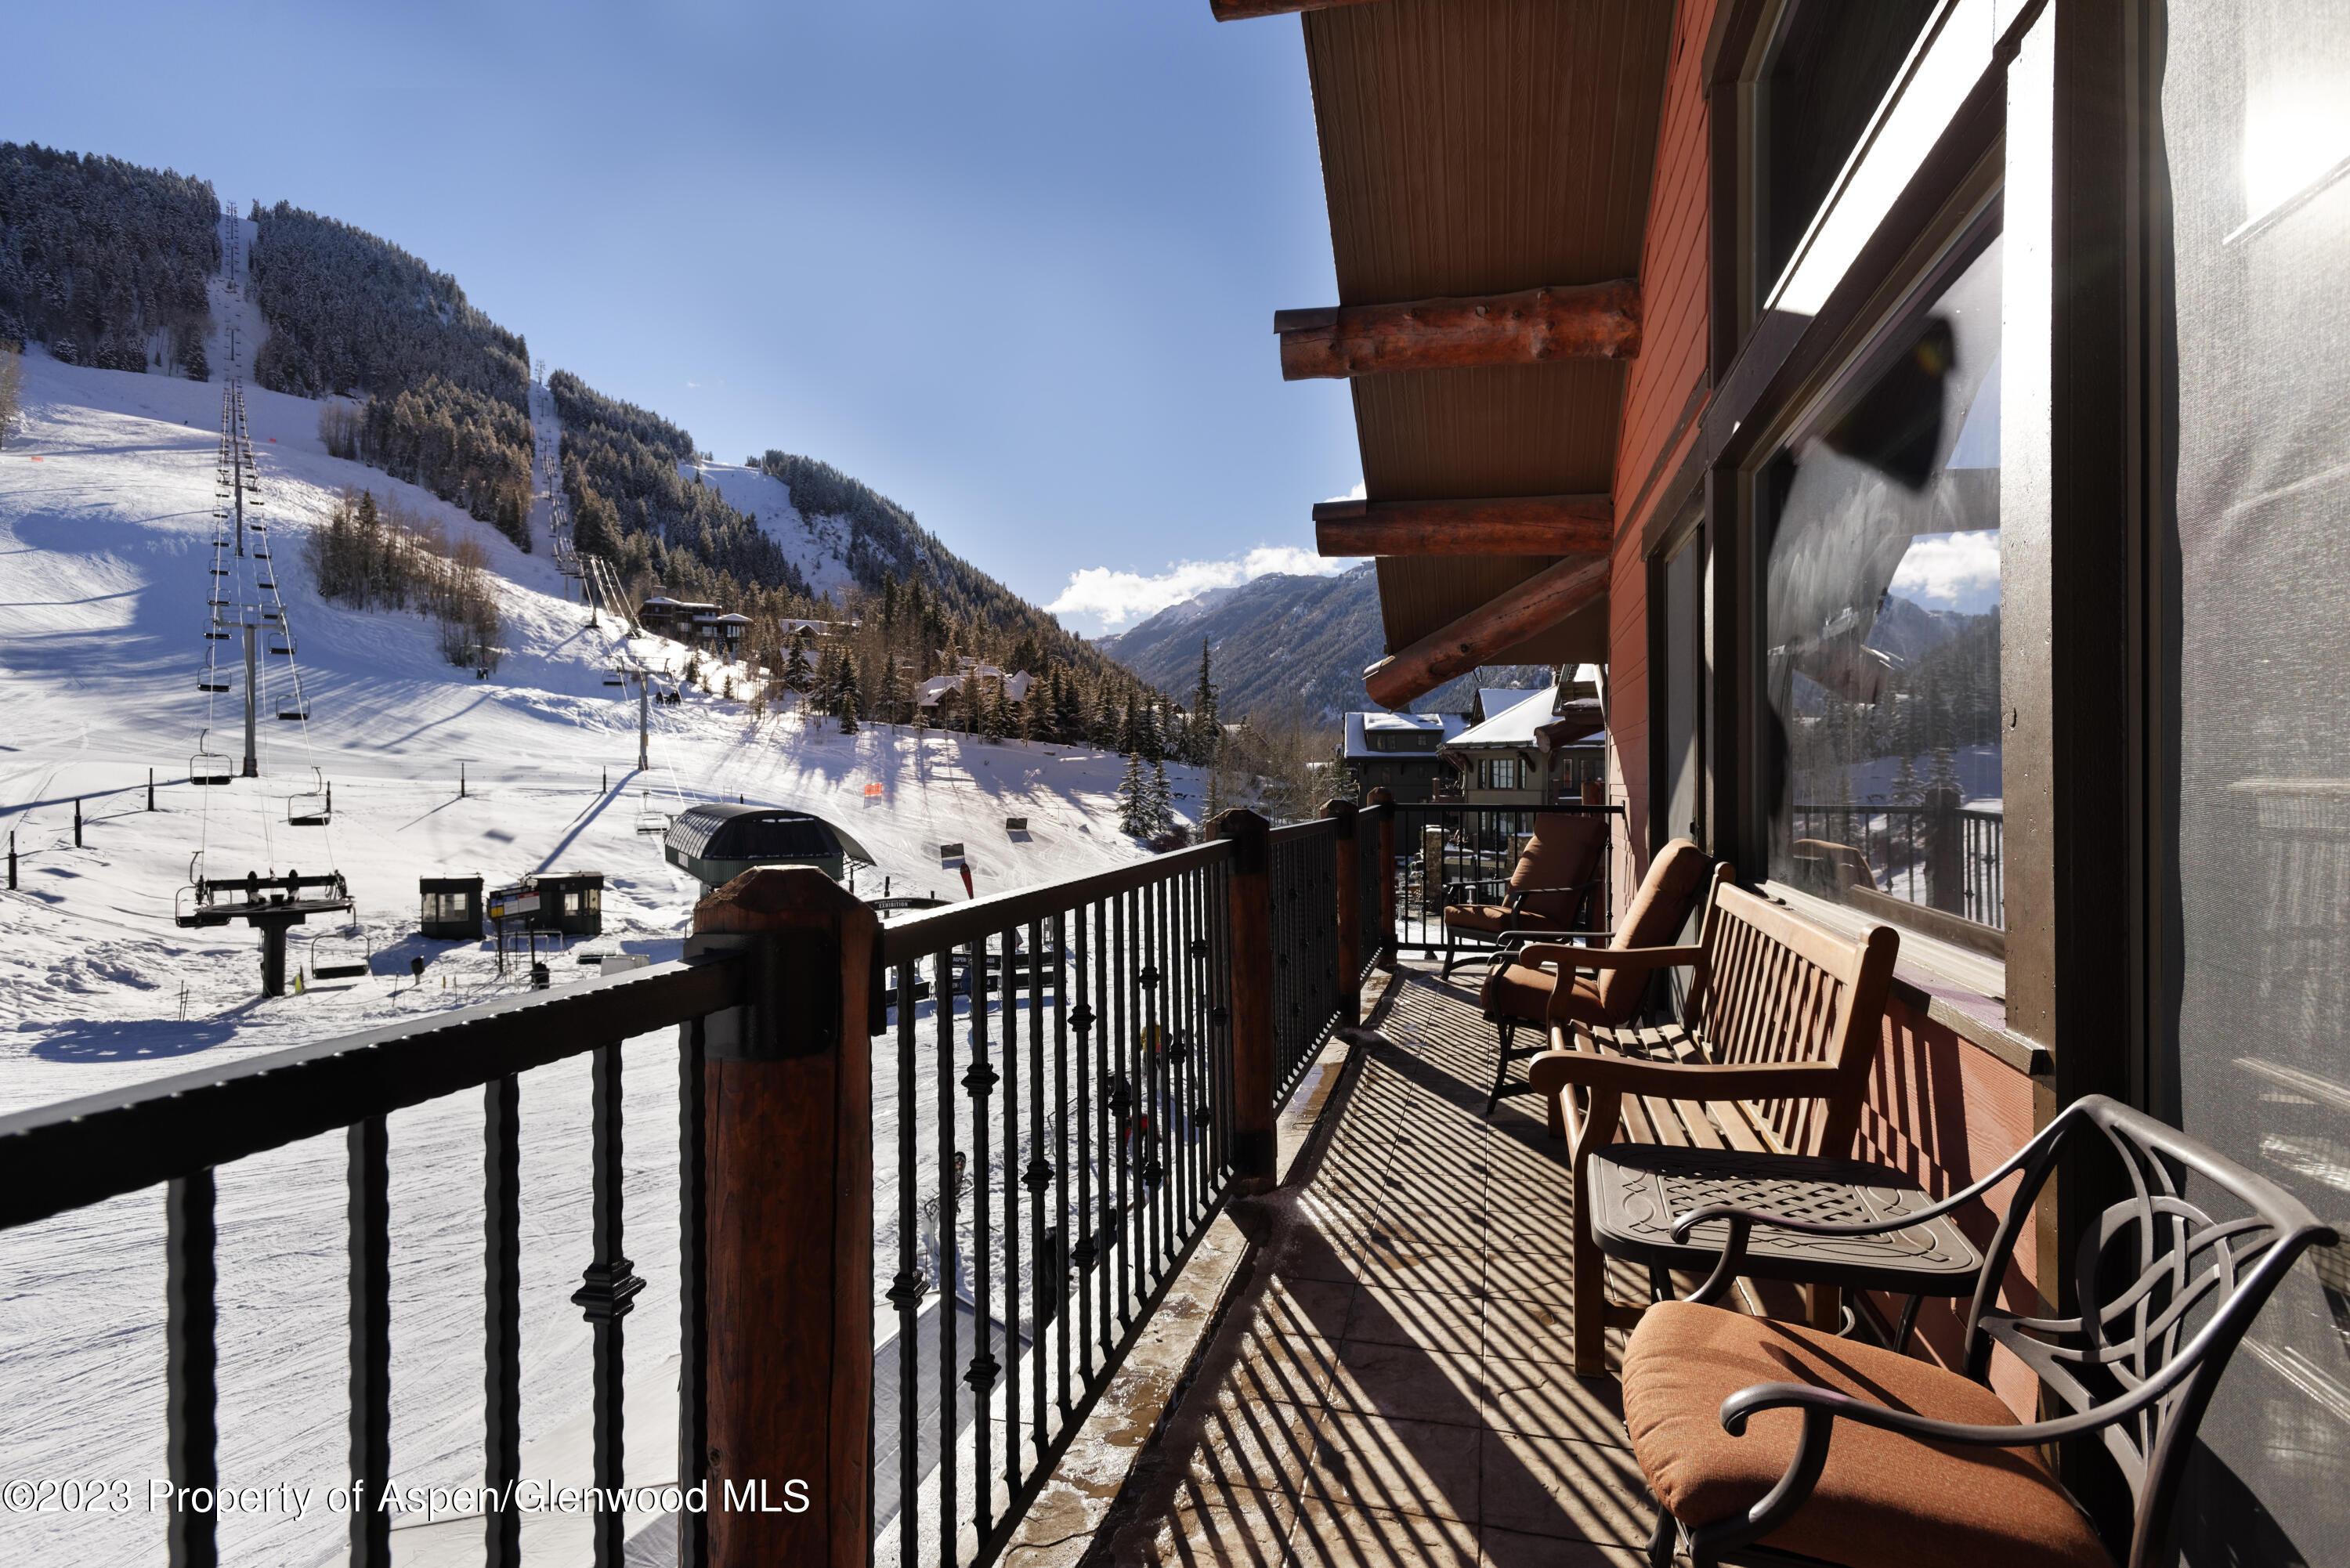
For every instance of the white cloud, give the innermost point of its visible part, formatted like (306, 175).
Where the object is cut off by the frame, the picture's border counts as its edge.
(1952, 571)
(1358, 493)
(1112, 599)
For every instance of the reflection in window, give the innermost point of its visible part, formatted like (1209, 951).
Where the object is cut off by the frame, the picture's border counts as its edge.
(1883, 627)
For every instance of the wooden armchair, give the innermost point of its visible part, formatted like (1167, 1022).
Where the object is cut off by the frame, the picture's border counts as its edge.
(1518, 993)
(1549, 889)
(1771, 1055)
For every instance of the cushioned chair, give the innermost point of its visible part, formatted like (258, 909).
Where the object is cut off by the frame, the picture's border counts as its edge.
(1518, 994)
(1549, 889)
(1769, 1443)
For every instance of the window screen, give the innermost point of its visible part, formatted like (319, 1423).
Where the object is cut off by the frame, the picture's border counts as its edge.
(1830, 65)
(1883, 626)
(2256, 121)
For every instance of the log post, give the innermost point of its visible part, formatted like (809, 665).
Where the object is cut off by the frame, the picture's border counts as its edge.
(1539, 603)
(1594, 321)
(1383, 799)
(1248, 917)
(1349, 863)
(1945, 860)
(788, 1276)
(1506, 526)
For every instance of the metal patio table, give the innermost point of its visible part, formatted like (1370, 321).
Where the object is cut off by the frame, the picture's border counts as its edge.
(1638, 1189)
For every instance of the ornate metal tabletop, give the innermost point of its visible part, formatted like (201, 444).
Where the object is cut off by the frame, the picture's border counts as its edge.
(1638, 1190)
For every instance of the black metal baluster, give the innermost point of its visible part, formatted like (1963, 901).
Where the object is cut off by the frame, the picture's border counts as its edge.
(1010, 1111)
(693, 1291)
(608, 1296)
(1106, 1126)
(1063, 976)
(1123, 1099)
(370, 1339)
(502, 1318)
(1043, 1246)
(908, 1288)
(191, 1365)
(1158, 1047)
(979, 1083)
(1081, 1100)
(950, 1248)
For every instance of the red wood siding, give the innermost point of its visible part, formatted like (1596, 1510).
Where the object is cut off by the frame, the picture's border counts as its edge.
(1943, 1110)
(1658, 395)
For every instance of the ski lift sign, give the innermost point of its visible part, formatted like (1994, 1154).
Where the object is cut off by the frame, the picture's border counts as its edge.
(512, 903)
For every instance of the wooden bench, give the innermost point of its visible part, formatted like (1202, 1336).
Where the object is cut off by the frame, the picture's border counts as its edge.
(1771, 1054)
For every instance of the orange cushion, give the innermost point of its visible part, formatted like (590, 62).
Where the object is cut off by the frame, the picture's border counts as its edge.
(1563, 852)
(1493, 919)
(1884, 1498)
(1660, 909)
(1523, 996)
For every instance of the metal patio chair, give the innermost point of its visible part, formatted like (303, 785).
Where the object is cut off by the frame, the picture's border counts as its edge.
(1884, 1459)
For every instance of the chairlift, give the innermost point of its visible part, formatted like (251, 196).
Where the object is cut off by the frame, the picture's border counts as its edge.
(295, 708)
(207, 767)
(312, 808)
(341, 957)
(211, 681)
(647, 819)
(282, 643)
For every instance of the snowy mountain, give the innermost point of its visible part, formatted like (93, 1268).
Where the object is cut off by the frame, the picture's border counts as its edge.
(1283, 644)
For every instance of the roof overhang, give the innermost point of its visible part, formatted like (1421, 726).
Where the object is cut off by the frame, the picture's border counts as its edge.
(1487, 165)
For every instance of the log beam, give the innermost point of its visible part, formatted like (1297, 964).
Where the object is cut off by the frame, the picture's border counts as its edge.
(1539, 603)
(1241, 10)
(1600, 320)
(1506, 526)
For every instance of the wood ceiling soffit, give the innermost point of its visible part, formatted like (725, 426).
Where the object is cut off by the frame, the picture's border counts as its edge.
(1504, 430)
(1478, 147)
(1507, 525)
(1244, 10)
(1589, 321)
(1567, 585)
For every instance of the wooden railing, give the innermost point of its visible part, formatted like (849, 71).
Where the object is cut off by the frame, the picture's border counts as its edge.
(1083, 1074)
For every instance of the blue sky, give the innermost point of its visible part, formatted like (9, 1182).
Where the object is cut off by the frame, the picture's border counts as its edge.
(1012, 265)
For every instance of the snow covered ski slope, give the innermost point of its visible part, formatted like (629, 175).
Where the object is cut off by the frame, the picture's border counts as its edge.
(107, 499)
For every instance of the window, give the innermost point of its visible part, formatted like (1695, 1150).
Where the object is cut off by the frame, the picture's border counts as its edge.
(1882, 626)
(1501, 772)
(1829, 66)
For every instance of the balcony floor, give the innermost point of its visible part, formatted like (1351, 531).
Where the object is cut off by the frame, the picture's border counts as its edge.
(1390, 1387)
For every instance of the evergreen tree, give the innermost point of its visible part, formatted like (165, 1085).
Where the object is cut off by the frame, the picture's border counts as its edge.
(1204, 729)
(1159, 802)
(1906, 790)
(848, 695)
(997, 721)
(797, 675)
(1133, 800)
(889, 690)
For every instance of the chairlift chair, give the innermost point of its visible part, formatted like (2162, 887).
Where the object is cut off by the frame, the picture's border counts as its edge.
(211, 681)
(282, 643)
(207, 767)
(647, 819)
(312, 808)
(294, 708)
(341, 957)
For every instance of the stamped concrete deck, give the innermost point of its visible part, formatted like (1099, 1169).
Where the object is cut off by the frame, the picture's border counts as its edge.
(1388, 1384)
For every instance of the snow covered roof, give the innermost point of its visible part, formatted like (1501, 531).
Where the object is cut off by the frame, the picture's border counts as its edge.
(929, 692)
(1509, 722)
(1361, 726)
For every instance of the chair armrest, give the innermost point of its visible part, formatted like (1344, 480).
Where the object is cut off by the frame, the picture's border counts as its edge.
(1811, 1400)
(1520, 938)
(1556, 1068)
(1614, 958)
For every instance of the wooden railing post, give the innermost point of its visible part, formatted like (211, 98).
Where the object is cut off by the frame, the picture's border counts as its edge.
(1349, 862)
(1248, 917)
(1384, 798)
(788, 1288)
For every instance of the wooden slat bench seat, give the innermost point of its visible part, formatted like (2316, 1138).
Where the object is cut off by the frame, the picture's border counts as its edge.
(1771, 1056)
